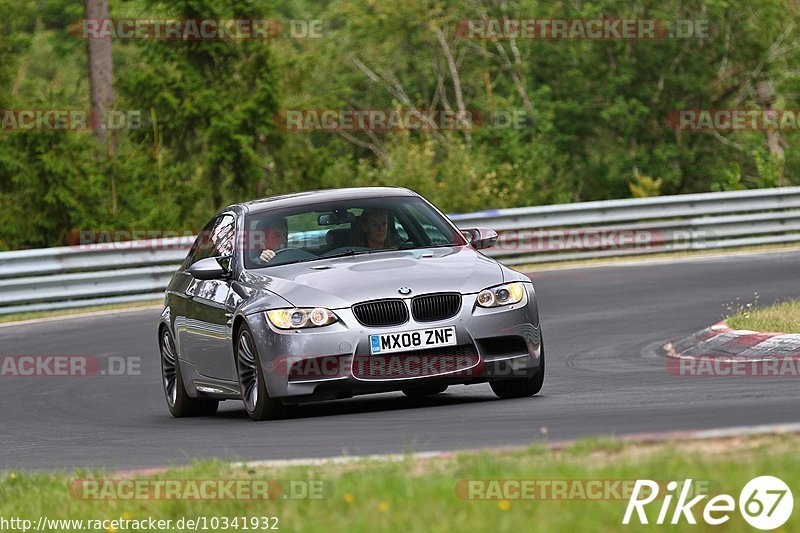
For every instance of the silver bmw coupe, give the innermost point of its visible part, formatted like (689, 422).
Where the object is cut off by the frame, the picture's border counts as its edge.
(328, 294)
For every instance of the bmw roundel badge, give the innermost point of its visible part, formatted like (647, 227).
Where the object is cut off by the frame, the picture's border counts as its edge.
(404, 290)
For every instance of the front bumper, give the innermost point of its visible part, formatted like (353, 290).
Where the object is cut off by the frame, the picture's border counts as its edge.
(330, 362)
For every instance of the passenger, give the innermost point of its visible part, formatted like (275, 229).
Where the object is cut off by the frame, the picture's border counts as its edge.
(372, 230)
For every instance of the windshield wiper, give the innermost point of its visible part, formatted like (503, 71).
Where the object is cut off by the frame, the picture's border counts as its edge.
(349, 253)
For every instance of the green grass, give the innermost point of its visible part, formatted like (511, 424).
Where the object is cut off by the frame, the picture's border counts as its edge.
(420, 495)
(782, 318)
(32, 315)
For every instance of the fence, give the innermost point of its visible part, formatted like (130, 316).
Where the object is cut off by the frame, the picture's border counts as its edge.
(65, 277)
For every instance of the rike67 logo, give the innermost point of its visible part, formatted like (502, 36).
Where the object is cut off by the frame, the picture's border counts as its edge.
(765, 503)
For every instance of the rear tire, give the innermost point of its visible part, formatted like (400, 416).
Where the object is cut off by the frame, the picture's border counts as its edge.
(252, 382)
(424, 390)
(523, 387)
(179, 403)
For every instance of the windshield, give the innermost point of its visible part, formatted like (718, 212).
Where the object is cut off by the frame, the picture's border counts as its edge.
(336, 229)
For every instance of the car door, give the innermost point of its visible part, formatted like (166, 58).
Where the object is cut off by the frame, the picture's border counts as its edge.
(206, 337)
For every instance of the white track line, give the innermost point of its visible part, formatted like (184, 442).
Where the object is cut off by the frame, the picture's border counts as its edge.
(644, 261)
(659, 436)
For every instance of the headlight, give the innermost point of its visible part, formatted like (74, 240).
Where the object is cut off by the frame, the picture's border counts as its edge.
(297, 318)
(502, 295)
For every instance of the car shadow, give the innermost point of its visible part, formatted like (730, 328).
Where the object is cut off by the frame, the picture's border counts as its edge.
(384, 402)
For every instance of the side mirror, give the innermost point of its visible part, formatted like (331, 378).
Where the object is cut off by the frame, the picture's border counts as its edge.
(207, 269)
(480, 238)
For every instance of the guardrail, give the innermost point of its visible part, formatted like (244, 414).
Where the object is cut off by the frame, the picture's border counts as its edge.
(66, 277)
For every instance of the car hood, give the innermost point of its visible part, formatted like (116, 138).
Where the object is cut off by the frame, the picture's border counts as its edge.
(342, 281)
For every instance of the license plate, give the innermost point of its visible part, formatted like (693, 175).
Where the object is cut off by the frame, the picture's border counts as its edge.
(406, 341)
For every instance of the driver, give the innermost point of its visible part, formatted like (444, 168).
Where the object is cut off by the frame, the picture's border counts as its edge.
(276, 235)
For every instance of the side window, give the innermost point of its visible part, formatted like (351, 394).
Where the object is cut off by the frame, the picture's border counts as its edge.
(223, 236)
(215, 240)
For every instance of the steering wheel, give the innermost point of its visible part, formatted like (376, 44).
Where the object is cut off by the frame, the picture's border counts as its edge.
(276, 252)
(295, 254)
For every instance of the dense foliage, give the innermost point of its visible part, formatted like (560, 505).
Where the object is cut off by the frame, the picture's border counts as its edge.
(596, 110)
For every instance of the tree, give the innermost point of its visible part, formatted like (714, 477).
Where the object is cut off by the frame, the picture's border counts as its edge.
(101, 71)
(101, 86)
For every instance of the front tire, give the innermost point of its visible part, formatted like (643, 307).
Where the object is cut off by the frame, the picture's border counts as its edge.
(179, 403)
(252, 383)
(523, 387)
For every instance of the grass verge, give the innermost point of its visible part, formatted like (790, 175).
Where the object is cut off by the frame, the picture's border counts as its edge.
(783, 317)
(421, 494)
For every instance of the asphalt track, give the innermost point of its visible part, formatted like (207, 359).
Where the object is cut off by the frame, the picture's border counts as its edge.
(603, 377)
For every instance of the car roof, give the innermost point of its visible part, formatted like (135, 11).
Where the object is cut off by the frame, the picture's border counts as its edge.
(323, 195)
